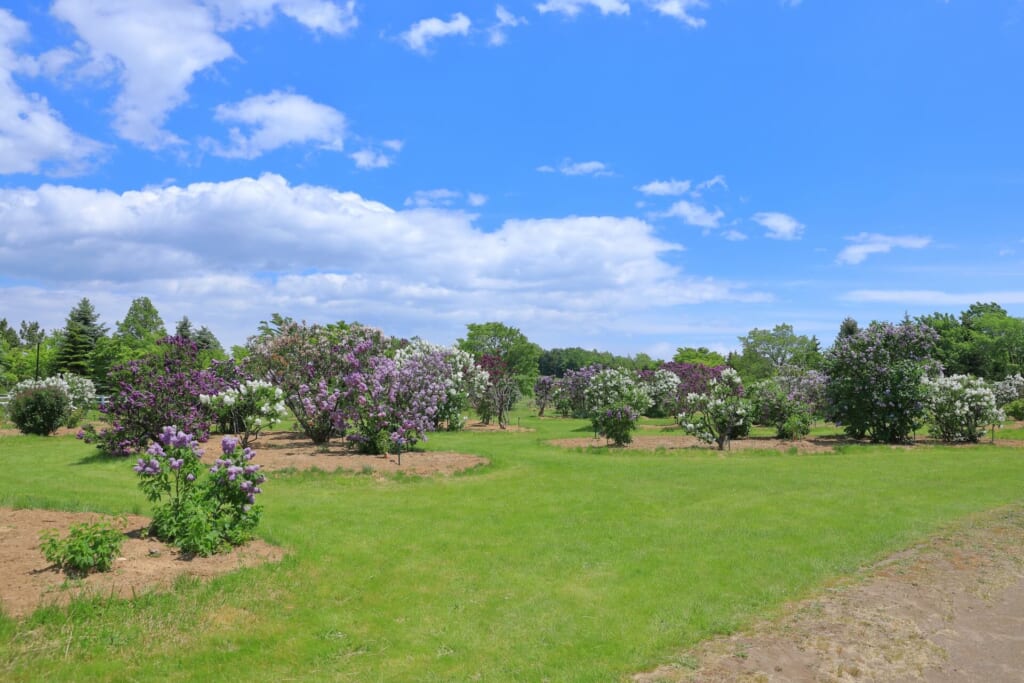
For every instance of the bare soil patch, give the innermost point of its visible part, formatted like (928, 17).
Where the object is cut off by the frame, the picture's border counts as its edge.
(678, 440)
(949, 609)
(292, 450)
(28, 581)
(493, 427)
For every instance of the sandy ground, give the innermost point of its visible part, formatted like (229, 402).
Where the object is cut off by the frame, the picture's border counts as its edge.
(28, 581)
(950, 609)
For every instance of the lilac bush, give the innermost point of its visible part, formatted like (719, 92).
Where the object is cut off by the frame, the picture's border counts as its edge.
(662, 387)
(874, 380)
(251, 407)
(615, 399)
(394, 404)
(694, 378)
(616, 423)
(960, 407)
(719, 415)
(200, 515)
(462, 379)
(544, 392)
(159, 389)
(500, 393)
(571, 394)
(309, 363)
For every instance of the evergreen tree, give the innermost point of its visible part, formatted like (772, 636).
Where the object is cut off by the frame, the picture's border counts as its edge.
(81, 333)
(141, 328)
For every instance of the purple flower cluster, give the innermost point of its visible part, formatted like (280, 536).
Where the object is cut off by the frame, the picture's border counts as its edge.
(234, 477)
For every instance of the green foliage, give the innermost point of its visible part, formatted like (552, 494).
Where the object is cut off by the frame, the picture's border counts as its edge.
(81, 333)
(699, 356)
(720, 415)
(765, 352)
(772, 406)
(40, 410)
(518, 353)
(616, 423)
(87, 548)
(556, 362)
(1015, 409)
(141, 328)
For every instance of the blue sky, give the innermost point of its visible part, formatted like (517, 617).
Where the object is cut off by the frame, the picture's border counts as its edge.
(630, 175)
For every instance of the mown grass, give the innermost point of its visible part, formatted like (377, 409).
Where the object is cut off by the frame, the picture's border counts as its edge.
(551, 564)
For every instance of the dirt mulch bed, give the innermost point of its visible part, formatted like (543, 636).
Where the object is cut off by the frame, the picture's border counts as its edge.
(292, 450)
(949, 609)
(493, 427)
(28, 581)
(650, 442)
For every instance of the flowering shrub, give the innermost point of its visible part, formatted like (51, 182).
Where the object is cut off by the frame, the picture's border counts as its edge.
(960, 407)
(396, 403)
(616, 423)
(1009, 390)
(159, 389)
(39, 409)
(500, 393)
(806, 387)
(874, 380)
(1015, 409)
(462, 379)
(613, 387)
(771, 405)
(663, 389)
(571, 392)
(544, 392)
(82, 392)
(694, 378)
(615, 399)
(200, 517)
(309, 363)
(721, 414)
(255, 404)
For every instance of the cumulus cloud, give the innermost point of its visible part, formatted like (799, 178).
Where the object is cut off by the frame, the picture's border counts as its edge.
(680, 9)
(496, 33)
(32, 136)
(157, 48)
(695, 214)
(570, 167)
(420, 34)
(278, 119)
(868, 243)
(325, 254)
(780, 226)
(318, 15)
(573, 7)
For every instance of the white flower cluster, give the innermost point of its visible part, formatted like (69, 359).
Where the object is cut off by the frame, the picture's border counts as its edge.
(1009, 390)
(255, 403)
(81, 392)
(715, 416)
(960, 407)
(613, 387)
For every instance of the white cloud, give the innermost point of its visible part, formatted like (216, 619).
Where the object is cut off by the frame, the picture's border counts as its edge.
(734, 235)
(570, 167)
(32, 136)
(666, 187)
(158, 47)
(780, 226)
(422, 32)
(717, 181)
(496, 33)
(431, 198)
(573, 7)
(930, 297)
(326, 255)
(680, 9)
(278, 119)
(369, 159)
(694, 214)
(476, 199)
(866, 243)
(317, 15)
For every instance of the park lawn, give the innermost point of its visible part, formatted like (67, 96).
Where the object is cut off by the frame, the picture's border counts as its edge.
(550, 564)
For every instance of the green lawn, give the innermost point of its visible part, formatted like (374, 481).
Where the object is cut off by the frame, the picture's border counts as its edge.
(551, 564)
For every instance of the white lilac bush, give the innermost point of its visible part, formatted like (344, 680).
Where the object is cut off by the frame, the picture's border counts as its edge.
(960, 407)
(250, 408)
(662, 388)
(615, 399)
(463, 379)
(1009, 390)
(79, 391)
(719, 415)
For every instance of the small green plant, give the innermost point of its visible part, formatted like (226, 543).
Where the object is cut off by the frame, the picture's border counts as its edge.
(87, 548)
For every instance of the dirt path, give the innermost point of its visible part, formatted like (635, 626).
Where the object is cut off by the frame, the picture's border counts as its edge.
(950, 609)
